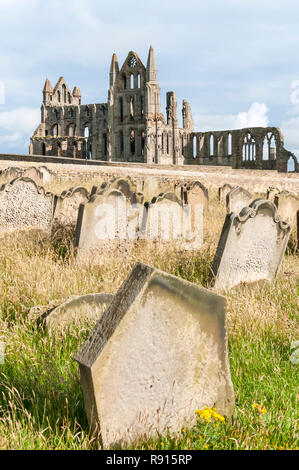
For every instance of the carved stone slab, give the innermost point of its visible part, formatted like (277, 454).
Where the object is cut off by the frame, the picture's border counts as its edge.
(158, 353)
(251, 246)
(236, 199)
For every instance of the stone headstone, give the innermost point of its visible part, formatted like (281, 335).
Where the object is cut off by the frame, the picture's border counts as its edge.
(272, 191)
(107, 221)
(67, 207)
(222, 192)
(158, 353)
(47, 175)
(197, 193)
(34, 174)
(236, 199)
(169, 221)
(287, 205)
(11, 173)
(251, 247)
(23, 206)
(75, 310)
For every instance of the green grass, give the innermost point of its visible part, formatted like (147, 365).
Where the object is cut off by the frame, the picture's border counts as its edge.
(41, 401)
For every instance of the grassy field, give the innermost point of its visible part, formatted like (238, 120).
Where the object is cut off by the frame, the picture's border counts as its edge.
(41, 402)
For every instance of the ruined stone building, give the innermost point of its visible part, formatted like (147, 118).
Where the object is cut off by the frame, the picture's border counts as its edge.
(130, 127)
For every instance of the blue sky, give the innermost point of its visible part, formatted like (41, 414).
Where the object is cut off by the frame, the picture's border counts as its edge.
(235, 61)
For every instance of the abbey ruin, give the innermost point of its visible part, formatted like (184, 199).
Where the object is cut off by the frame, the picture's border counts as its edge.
(130, 127)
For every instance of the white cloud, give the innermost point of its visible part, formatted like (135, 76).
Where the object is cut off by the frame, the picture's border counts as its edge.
(290, 130)
(256, 116)
(18, 125)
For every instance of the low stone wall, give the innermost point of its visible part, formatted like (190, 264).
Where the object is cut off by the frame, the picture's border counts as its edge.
(256, 181)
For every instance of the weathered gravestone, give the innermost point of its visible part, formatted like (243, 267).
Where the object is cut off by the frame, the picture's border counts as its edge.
(23, 206)
(170, 221)
(75, 310)
(288, 208)
(272, 191)
(158, 353)
(222, 192)
(34, 174)
(107, 222)
(236, 199)
(47, 175)
(67, 207)
(11, 173)
(196, 193)
(251, 247)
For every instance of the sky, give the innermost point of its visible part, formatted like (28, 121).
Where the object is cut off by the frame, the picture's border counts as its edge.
(235, 61)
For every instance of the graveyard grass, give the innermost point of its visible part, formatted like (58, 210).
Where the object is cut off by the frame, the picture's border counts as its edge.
(41, 402)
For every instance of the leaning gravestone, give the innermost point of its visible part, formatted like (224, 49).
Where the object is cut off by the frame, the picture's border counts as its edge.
(288, 208)
(75, 310)
(236, 199)
(158, 353)
(222, 192)
(251, 246)
(107, 221)
(11, 173)
(67, 207)
(23, 206)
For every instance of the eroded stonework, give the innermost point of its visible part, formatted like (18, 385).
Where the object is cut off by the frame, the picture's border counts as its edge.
(130, 127)
(24, 205)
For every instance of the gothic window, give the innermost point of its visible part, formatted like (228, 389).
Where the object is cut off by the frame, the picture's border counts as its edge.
(105, 144)
(132, 107)
(86, 131)
(58, 96)
(70, 131)
(249, 148)
(229, 144)
(291, 166)
(59, 149)
(43, 149)
(194, 147)
(71, 112)
(55, 130)
(132, 141)
(211, 145)
(132, 61)
(269, 147)
(56, 114)
(63, 93)
(132, 81)
(139, 80)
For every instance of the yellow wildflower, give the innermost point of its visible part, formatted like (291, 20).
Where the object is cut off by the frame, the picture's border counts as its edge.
(260, 408)
(208, 414)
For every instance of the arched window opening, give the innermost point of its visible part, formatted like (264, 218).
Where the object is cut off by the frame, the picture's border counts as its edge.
(132, 141)
(291, 165)
(183, 145)
(69, 98)
(269, 147)
(194, 147)
(132, 107)
(229, 144)
(125, 82)
(139, 80)
(121, 109)
(56, 113)
(121, 141)
(55, 130)
(132, 81)
(167, 144)
(43, 149)
(211, 145)
(70, 131)
(86, 131)
(63, 93)
(248, 148)
(71, 112)
(105, 144)
(58, 96)
(59, 149)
